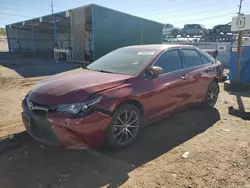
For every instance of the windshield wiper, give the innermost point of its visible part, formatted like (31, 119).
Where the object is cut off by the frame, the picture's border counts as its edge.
(105, 71)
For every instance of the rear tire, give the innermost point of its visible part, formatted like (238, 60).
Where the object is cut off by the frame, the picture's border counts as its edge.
(124, 127)
(203, 34)
(174, 33)
(212, 94)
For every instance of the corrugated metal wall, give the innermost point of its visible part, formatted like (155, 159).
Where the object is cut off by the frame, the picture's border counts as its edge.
(21, 40)
(244, 65)
(78, 32)
(113, 29)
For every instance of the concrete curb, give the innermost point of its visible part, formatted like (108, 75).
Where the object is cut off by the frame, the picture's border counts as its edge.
(14, 141)
(231, 86)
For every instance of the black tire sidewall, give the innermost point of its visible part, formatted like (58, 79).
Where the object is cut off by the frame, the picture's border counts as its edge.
(110, 142)
(217, 30)
(206, 103)
(184, 34)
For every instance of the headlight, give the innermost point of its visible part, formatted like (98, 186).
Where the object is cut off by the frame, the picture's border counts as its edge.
(77, 108)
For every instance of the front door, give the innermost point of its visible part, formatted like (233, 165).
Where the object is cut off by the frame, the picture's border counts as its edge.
(195, 74)
(165, 92)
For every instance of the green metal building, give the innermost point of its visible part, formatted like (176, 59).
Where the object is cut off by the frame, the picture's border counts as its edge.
(90, 30)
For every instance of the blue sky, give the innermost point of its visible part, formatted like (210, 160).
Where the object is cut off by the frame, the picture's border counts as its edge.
(177, 12)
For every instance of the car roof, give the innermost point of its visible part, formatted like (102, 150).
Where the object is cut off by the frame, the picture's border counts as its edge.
(157, 46)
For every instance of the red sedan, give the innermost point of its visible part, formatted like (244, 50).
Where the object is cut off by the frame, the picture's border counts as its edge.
(119, 94)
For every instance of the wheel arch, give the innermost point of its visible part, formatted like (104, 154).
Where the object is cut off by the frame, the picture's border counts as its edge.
(133, 102)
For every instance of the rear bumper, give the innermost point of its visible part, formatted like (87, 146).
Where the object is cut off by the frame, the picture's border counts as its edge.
(59, 130)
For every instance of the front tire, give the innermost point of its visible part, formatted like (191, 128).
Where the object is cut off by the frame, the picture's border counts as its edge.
(212, 94)
(218, 30)
(124, 127)
(184, 34)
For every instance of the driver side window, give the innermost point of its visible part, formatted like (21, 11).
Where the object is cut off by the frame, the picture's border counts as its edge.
(170, 61)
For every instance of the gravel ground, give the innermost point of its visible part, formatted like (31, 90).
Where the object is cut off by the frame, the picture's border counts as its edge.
(216, 146)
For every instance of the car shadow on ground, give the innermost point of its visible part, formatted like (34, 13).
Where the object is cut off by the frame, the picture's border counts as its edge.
(166, 134)
(35, 67)
(34, 165)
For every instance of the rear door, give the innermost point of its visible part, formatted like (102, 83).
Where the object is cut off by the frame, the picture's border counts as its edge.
(197, 29)
(211, 70)
(197, 74)
(192, 29)
(165, 92)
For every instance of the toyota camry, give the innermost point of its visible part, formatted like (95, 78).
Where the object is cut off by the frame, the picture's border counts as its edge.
(118, 94)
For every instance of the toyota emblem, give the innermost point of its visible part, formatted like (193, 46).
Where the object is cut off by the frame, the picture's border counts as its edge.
(30, 105)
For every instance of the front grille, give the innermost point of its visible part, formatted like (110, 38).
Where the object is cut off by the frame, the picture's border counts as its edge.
(39, 124)
(41, 127)
(41, 113)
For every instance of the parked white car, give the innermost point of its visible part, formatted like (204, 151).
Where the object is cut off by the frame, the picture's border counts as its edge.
(170, 30)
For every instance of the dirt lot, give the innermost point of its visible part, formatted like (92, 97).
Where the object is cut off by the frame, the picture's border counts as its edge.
(218, 144)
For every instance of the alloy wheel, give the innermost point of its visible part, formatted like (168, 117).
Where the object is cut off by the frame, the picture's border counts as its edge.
(212, 94)
(125, 127)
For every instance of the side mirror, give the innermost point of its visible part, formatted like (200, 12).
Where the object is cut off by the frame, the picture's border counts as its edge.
(155, 71)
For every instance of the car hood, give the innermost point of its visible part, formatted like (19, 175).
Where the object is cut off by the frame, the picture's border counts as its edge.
(73, 86)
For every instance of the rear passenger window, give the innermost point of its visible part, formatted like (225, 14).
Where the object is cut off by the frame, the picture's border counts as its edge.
(192, 58)
(205, 59)
(170, 61)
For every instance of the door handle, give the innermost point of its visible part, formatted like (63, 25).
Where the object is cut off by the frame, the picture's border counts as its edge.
(184, 77)
(210, 68)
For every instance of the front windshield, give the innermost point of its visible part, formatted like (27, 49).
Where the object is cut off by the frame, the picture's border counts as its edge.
(123, 61)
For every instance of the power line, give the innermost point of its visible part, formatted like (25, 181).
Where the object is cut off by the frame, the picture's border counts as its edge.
(193, 13)
(172, 8)
(14, 15)
(206, 18)
(22, 3)
(20, 10)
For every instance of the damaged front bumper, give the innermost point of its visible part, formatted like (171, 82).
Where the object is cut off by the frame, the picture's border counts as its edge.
(56, 129)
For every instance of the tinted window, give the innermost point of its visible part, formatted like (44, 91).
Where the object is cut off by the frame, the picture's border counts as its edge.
(205, 59)
(192, 58)
(170, 61)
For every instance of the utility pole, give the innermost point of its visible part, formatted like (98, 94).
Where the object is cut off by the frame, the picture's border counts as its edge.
(52, 6)
(239, 48)
(54, 18)
(239, 13)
